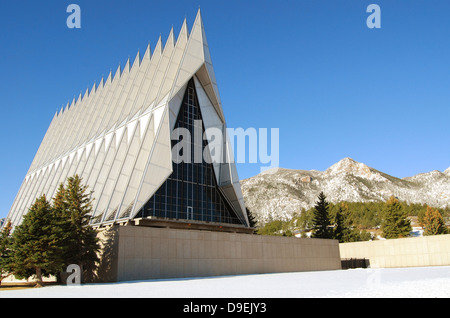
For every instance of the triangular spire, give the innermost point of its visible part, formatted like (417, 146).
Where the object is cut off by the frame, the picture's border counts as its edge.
(170, 43)
(93, 89)
(86, 94)
(158, 48)
(71, 105)
(198, 17)
(148, 53)
(184, 32)
(194, 56)
(102, 83)
(137, 60)
(197, 31)
(126, 68)
(117, 74)
(199, 14)
(109, 79)
(206, 72)
(80, 97)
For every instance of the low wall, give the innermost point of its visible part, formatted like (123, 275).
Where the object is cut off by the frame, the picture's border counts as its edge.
(405, 252)
(137, 253)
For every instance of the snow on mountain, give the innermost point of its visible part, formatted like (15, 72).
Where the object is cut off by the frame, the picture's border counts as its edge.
(447, 172)
(357, 169)
(283, 192)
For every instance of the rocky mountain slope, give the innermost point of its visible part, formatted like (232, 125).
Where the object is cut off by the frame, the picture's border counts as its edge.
(278, 194)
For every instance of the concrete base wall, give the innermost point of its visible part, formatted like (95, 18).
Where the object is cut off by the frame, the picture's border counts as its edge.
(137, 253)
(405, 252)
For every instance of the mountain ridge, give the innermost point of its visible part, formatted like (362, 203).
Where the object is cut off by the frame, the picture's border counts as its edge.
(279, 193)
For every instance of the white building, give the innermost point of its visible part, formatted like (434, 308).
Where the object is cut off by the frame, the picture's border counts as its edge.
(118, 137)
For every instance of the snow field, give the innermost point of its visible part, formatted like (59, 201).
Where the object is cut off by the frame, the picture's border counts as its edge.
(421, 282)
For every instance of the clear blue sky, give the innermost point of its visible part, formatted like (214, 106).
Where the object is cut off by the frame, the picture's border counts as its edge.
(311, 68)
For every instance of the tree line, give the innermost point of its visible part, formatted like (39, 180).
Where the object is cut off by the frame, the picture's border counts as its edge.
(350, 221)
(51, 236)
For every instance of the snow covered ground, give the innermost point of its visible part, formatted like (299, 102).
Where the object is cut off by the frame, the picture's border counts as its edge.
(427, 282)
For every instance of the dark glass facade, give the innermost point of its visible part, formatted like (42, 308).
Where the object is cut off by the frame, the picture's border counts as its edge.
(191, 192)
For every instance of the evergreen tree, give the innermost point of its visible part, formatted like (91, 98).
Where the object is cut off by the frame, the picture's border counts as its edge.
(343, 230)
(395, 222)
(59, 202)
(321, 220)
(434, 222)
(304, 221)
(251, 218)
(339, 228)
(62, 219)
(77, 205)
(38, 243)
(274, 228)
(5, 250)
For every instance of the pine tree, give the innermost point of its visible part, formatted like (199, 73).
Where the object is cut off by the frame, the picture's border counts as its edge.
(321, 220)
(274, 228)
(84, 244)
(305, 221)
(343, 230)
(62, 219)
(5, 250)
(339, 228)
(433, 222)
(38, 243)
(395, 222)
(251, 218)
(59, 202)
